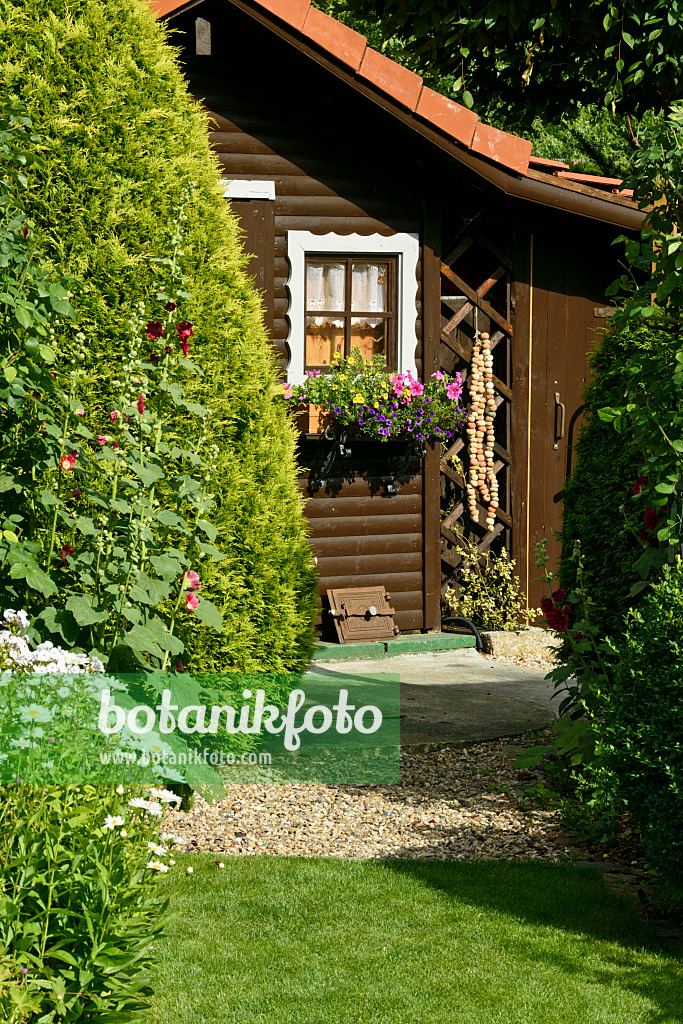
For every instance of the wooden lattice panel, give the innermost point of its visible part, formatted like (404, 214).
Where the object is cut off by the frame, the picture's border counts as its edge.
(466, 308)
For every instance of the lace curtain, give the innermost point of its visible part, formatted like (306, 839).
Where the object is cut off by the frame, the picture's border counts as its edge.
(326, 289)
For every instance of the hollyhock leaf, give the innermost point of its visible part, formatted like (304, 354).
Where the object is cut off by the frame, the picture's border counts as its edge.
(141, 596)
(158, 590)
(168, 641)
(48, 498)
(139, 638)
(209, 529)
(132, 615)
(60, 621)
(173, 520)
(83, 612)
(9, 483)
(148, 474)
(166, 566)
(86, 526)
(35, 578)
(209, 615)
(208, 549)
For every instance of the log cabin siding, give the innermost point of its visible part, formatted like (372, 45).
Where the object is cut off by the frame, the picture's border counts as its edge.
(345, 168)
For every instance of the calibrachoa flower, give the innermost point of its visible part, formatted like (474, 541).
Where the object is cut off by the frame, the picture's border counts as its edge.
(191, 602)
(155, 329)
(192, 581)
(67, 463)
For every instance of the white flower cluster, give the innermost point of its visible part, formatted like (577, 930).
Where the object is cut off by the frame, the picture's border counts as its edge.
(15, 653)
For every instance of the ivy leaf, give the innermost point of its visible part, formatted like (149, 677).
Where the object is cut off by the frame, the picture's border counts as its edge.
(207, 613)
(83, 612)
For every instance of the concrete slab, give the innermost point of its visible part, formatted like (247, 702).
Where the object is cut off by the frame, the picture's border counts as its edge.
(460, 697)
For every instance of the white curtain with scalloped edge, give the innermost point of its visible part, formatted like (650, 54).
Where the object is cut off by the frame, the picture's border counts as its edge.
(326, 284)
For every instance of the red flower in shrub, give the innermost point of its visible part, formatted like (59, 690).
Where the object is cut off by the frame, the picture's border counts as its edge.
(639, 483)
(651, 519)
(65, 552)
(184, 329)
(557, 617)
(141, 404)
(155, 329)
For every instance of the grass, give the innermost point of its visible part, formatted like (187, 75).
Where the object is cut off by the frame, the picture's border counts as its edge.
(288, 940)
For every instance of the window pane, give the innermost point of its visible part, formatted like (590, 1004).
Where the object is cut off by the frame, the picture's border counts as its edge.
(325, 284)
(323, 338)
(369, 287)
(369, 335)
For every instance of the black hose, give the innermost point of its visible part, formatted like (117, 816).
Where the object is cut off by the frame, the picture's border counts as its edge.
(460, 621)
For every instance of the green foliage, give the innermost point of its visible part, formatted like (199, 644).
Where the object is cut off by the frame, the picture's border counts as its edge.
(122, 139)
(640, 735)
(546, 57)
(599, 504)
(382, 405)
(79, 907)
(488, 593)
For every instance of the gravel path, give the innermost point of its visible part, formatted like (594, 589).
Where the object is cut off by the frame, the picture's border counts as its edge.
(451, 804)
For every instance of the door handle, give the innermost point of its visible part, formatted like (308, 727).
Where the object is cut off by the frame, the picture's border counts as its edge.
(560, 405)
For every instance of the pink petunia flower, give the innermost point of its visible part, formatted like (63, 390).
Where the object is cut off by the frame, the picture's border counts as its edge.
(288, 390)
(438, 375)
(192, 581)
(454, 390)
(191, 602)
(155, 329)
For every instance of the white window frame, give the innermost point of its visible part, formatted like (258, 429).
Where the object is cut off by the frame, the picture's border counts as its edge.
(404, 246)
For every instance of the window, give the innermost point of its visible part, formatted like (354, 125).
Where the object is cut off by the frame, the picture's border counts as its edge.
(349, 291)
(350, 303)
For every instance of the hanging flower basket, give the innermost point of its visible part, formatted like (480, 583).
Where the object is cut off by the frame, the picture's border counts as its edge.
(363, 398)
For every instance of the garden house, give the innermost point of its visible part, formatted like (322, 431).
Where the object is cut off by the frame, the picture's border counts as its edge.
(351, 177)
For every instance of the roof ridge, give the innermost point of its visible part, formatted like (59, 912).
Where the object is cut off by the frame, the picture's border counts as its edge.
(401, 84)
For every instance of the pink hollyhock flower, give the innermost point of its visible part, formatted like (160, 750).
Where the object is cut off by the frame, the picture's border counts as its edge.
(639, 484)
(67, 463)
(192, 581)
(141, 404)
(80, 412)
(155, 329)
(65, 551)
(101, 439)
(113, 416)
(191, 602)
(184, 329)
(170, 306)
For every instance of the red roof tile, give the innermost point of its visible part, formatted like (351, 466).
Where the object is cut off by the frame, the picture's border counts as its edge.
(542, 164)
(450, 117)
(502, 148)
(589, 179)
(339, 40)
(294, 12)
(402, 85)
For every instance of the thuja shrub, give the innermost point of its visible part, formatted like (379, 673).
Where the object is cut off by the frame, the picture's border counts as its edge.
(598, 497)
(79, 905)
(640, 730)
(122, 139)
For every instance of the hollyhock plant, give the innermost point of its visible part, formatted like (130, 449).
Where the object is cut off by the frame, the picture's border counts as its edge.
(191, 602)
(65, 551)
(651, 519)
(639, 483)
(384, 406)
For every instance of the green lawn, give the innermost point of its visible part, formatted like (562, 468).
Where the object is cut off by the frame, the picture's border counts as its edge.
(295, 941)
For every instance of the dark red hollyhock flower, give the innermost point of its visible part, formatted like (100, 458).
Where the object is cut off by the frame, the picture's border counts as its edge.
(639, 484)
(168, 350)
(155, 329)
(141, 404)
(179, 666)
(76, 493)
(643, 535)
(651, 519)
(559, 596)
(184, 329)
(557, 618)
(65, 552)
(170, 306)
(185, 346)
(153, 358)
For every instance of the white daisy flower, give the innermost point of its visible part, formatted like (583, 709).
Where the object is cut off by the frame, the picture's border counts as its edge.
(157, 865)
(161, 851)
(138, 801)
(113, 820)
(166, 796)
(155, 808)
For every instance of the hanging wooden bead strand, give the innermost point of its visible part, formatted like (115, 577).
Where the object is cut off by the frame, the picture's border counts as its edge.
(482, 483)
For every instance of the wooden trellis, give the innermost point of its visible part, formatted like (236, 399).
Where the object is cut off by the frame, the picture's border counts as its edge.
(465, 309)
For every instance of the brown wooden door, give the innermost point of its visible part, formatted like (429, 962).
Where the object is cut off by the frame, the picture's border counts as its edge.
(256, 218)
(568, 287)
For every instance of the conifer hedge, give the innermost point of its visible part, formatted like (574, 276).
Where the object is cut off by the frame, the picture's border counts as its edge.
(122, 140)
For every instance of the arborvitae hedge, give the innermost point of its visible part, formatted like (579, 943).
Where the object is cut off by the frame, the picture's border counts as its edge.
(123, 138)
(605, 469)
